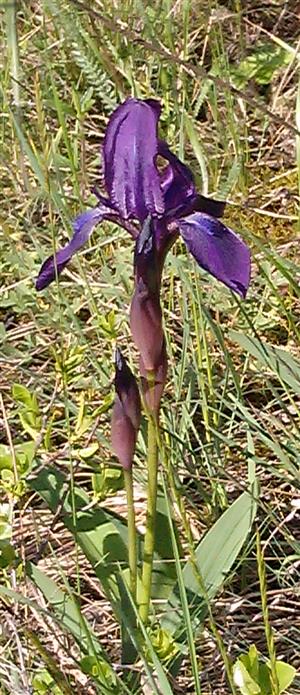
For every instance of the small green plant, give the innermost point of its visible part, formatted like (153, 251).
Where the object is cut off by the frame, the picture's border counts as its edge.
(252, 675)
(7, 553)
(28, 410)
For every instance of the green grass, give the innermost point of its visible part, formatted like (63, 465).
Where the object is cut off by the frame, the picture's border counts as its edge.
(65, 67)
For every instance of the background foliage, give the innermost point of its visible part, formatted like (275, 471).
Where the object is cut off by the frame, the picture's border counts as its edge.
(227, 75)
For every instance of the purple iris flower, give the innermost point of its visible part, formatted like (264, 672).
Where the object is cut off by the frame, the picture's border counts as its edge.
(137, 188)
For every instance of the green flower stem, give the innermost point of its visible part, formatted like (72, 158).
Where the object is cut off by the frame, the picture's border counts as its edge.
(132, 552)
(150, 519)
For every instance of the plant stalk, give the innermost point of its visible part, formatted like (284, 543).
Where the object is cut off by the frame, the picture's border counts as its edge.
(132, 550)
(14, 63)
(265, 611)
(150, 520)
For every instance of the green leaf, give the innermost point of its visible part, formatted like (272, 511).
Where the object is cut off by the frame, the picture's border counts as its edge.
(43, 683)
(33, 429)
(102, 535)
(88, 451)
(22, 395)
(285, 675)
(215, 556)
(253, 663)
(68, 613)
(143, 645)
(261, 64)
(28, 409)
(243, 680)
(285, 367)
(107, 482)
(24, 454)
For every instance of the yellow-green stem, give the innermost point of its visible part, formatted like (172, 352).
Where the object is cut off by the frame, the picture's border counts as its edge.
(265, 611)
(132, 553)
(150, 520)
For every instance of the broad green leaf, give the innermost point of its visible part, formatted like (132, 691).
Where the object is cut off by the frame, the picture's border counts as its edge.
(88, 451)
(215, 556)
(253, 662)
(22, 395)
(66, 610)
(285, 675)
(102, 535)
(285, 367)
(243, 680)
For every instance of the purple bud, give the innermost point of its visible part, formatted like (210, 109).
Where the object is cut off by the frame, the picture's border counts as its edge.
(146, 325)
(153, 382)
(126, 414)
(145, 310)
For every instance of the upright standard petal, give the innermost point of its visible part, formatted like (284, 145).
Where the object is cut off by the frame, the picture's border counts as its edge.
(83, 226)
(177, 180)
(218, 250)
(129, 149)
(179, 190)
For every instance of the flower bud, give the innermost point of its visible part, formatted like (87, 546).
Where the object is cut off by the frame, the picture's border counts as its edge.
(126, 414)
(145, 310)
(146, 325)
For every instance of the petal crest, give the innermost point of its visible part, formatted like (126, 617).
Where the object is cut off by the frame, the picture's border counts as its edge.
(218, 250)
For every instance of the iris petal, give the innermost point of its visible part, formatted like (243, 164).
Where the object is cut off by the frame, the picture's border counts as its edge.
(177, 180)
(83, 226)
(179, 190)
(218, 250)
(130, 148)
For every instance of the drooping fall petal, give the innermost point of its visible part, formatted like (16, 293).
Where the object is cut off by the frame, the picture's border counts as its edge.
(218, 250)
(83, 226)
(129, 149)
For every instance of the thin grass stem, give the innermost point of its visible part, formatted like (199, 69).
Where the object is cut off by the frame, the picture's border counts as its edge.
(265, 611)
(132, 549)
(152, 461)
